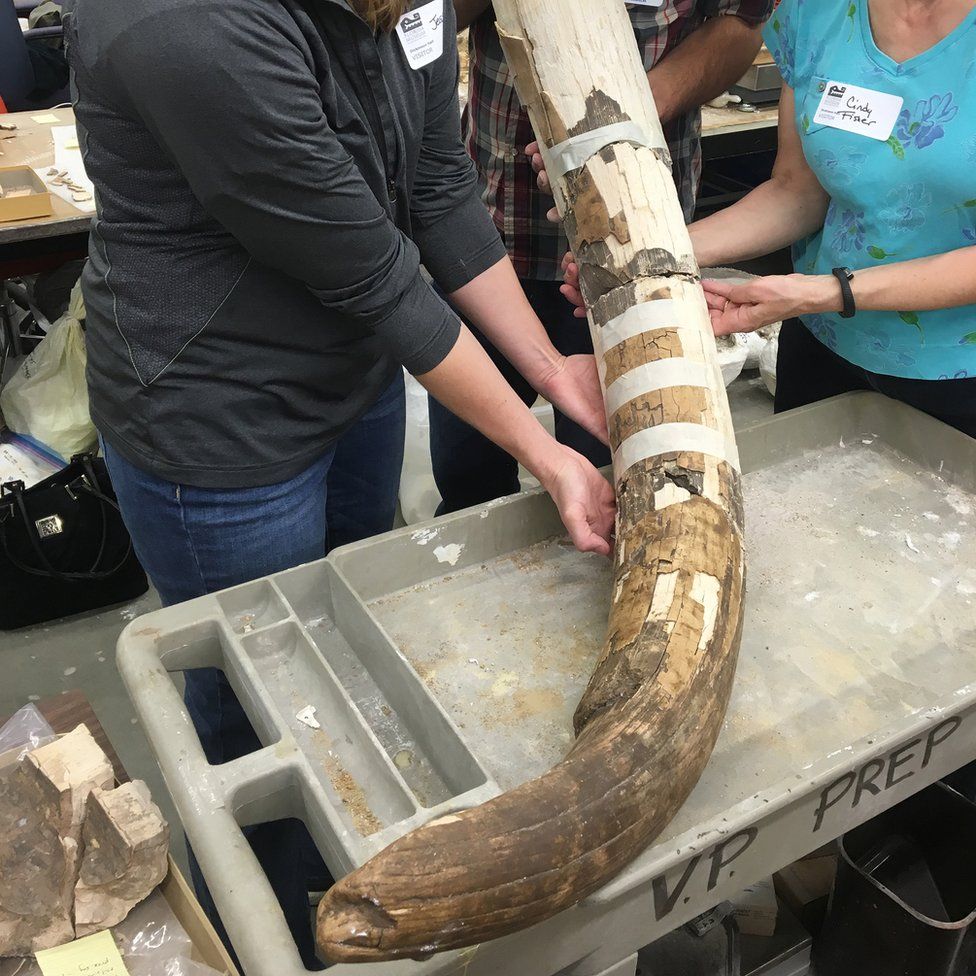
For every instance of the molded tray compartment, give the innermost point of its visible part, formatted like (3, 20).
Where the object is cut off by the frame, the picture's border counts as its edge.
(367, 792)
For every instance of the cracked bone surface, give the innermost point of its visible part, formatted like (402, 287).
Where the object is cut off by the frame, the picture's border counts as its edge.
(651, 714)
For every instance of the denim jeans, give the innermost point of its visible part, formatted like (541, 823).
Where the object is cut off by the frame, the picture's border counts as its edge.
(194, 541)
(468, 468)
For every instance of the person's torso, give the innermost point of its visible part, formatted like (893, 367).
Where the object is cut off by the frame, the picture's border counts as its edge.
(901, 188)
(173, 298)
(498, 129)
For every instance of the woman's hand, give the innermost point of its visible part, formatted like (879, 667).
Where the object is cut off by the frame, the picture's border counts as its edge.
(574, 387)
(750, 306)
(585, 500)
(570, 289)
(541, 176)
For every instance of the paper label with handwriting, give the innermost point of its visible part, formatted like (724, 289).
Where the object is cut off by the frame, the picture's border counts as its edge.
(645, 3)
(421, 34)
(96, 955)
(859, 110)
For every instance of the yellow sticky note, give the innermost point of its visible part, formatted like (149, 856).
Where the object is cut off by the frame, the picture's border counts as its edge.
(49, 119)
(96, 955)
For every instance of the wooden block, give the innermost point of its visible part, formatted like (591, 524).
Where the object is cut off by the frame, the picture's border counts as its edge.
(126, 842)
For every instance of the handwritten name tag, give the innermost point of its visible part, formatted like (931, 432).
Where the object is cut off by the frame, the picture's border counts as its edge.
(421, 34)
(859, 110)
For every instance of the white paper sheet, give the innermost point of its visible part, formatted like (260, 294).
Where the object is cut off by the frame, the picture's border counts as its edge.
(67, 156)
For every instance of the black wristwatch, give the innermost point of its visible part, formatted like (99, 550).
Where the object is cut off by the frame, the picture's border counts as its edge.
(845, 276)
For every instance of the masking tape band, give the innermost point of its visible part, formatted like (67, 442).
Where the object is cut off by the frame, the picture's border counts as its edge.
(650, 377)
(670, 439)
(576, 151)
(637, 320)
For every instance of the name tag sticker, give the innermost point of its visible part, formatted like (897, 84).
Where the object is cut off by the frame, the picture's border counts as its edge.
(421, 34)
(859, 110)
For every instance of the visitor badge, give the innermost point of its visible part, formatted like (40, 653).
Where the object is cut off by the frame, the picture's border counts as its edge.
(859, 110)
(421, 34)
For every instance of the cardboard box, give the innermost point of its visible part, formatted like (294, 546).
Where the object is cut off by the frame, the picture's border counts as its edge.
(756, 909)
(805, 887)
(23, 194)
(207, 947)
(787, 953)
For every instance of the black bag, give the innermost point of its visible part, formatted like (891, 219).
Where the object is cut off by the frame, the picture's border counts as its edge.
(63, 547)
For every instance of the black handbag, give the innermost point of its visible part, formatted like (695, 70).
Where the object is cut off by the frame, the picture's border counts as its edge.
(63, 547)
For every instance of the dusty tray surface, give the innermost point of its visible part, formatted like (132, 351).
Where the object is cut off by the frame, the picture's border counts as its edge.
(859, 614)
(444, 663)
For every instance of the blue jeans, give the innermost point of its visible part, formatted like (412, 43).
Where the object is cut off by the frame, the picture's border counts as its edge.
(468, 468)
(193, 541)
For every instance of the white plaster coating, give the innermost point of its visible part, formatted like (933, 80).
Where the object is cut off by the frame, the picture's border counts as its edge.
(637, 320)
(662, 374)
(665, 587)
(706, 590)
(449, 554)
(670, 494)
(672, 438)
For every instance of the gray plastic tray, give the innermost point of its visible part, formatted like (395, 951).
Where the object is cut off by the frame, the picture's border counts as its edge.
(444, 663)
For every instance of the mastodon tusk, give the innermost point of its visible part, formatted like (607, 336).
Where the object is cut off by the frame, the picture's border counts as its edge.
(653, 709)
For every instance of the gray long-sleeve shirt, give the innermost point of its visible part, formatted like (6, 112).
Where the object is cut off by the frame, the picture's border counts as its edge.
(269, 177)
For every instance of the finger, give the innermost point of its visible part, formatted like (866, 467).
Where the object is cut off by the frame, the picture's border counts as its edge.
(722, 326)
(566, 261)
(543, 181)
(572, 274)
(553, 216)
(715, 287)
(750, 293)
(573, 295)
(716, 302)
(532, 148)
(583, 536)
(580, 312)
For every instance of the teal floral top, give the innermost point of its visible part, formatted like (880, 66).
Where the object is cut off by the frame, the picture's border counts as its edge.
(911, 196)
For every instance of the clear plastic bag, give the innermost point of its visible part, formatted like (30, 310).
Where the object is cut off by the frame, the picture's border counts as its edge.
(151, 940)
(152, 930)
(26, 730)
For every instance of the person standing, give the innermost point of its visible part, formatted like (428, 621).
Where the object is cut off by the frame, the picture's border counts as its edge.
(693, 50)
(269, 177)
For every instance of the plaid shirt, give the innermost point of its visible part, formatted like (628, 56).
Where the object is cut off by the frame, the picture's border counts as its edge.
(497, 129)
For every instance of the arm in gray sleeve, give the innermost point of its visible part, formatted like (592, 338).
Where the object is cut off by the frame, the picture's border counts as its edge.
(455, 234)
(230, 96)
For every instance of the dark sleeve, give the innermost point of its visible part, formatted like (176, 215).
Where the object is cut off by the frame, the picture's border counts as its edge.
(451, 225)
(753, 12)
(230, 95)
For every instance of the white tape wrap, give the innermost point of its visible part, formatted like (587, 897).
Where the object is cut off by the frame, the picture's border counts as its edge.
(637, 320)
(659, 375)
(672, 438)
(576, 151)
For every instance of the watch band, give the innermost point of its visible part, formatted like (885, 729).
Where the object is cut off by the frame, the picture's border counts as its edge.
(845, 276)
